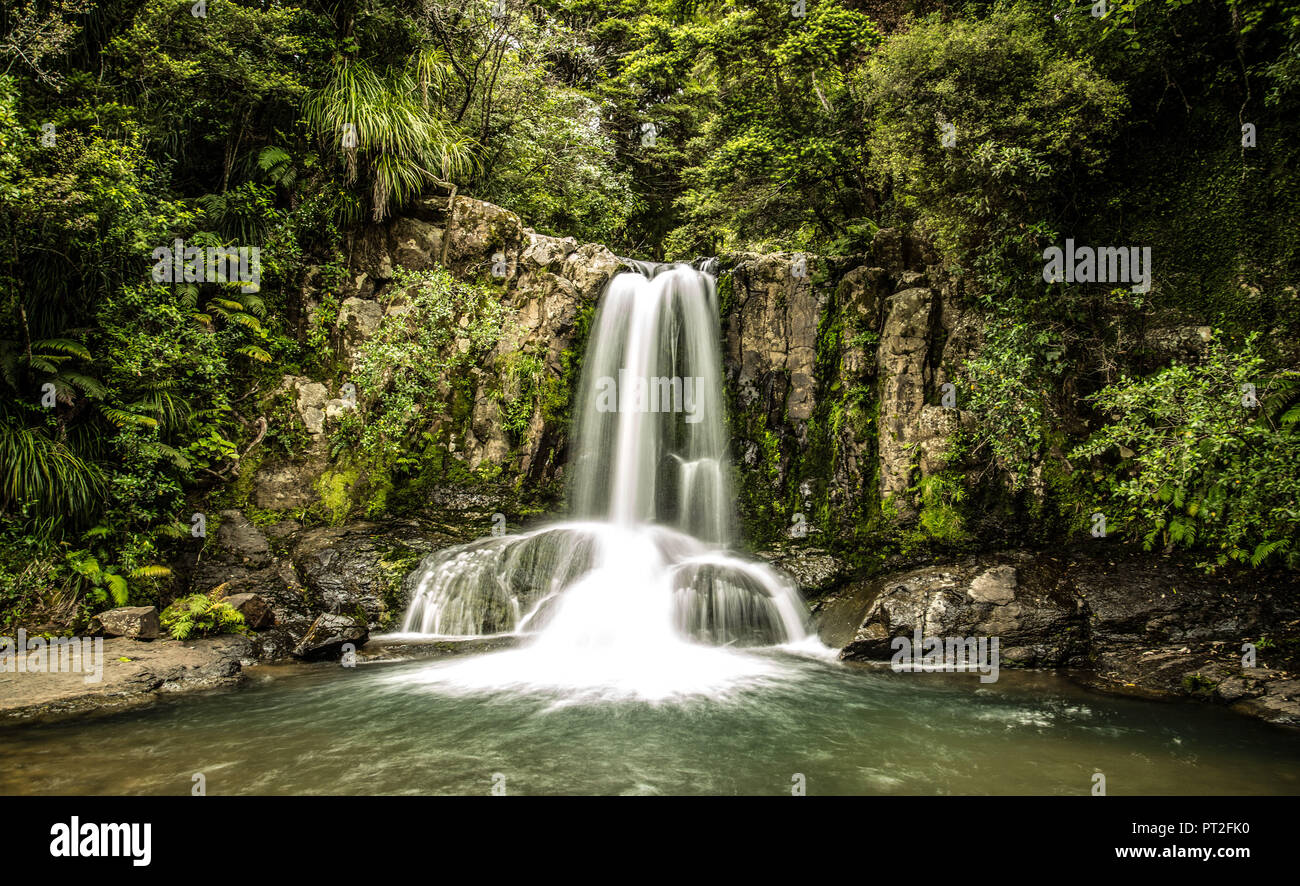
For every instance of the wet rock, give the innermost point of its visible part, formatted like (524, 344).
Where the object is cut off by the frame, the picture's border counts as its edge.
(136, 622)
(239, 538)
(1279, 703)
(813, 570)
(238, 560)
(327, 635)
(996, 585)
(1132, 623)
(358, 569)
(976, 597)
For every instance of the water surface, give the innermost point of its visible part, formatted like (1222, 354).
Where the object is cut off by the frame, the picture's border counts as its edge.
(413, 728)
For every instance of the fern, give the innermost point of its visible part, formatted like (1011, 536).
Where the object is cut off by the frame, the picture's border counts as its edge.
(198, 615)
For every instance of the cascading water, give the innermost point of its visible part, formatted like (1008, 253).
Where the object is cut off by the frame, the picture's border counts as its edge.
(639, 594)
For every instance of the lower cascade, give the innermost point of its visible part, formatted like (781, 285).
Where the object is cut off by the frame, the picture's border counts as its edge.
(639, 592)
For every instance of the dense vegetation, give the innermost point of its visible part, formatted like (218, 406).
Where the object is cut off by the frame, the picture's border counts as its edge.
(663, 128)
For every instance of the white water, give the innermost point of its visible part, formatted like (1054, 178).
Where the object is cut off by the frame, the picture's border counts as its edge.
(639, 596)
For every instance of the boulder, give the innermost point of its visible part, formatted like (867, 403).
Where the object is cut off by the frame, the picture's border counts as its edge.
(135, 622)
(256, 611)
(1134, 623)
(327, 635)
(359, 319)
(813, 570)
(241, 540)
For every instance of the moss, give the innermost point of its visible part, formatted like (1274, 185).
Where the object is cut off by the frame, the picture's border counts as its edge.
(335, 488)
(241, 491)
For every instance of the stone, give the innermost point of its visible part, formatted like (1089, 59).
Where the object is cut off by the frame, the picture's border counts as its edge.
(257, 613)
(997, 585)
(358, 569)
(328, 634)
(359, 320)
(135, 622)
(813, 570)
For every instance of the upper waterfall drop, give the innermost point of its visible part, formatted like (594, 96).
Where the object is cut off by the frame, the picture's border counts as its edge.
(650, 444)
(631, 593)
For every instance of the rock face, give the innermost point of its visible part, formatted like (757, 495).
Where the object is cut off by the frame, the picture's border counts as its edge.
(546, 286)
(1132, 623)
(835, 375)
(358, 570)
(135, 622)
(834, 372)
(1039, 623)
(814, 571)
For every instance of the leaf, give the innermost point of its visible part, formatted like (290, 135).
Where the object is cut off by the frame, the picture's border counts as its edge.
(122, 418)
(118, 588)
(254, 353)
(63, 346)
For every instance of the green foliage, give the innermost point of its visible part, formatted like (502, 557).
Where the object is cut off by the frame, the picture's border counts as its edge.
(779, 161)
(522, 378)
(941, 499)
(1185, 464)
(659, 127)
(407, 371)
(198, 615)
(1025, 117)
(413, 379)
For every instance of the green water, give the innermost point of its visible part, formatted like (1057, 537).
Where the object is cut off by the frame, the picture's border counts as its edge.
(385, 729)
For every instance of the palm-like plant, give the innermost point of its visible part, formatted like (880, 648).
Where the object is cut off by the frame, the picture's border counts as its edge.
(41, 469)
(45, 472)
(390, 127)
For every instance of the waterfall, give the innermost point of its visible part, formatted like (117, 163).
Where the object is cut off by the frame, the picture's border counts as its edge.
(649, 435)
(643, 574)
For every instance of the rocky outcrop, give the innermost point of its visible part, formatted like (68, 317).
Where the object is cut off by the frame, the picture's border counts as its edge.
(1129, 623)
(834, 366)
(835, 375)
(239, 560)
(771, 338)
(546, 285)
(813, 570)
(357, 570)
